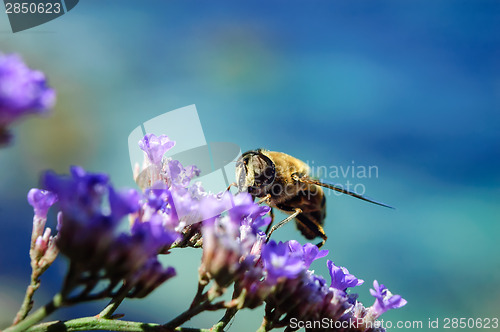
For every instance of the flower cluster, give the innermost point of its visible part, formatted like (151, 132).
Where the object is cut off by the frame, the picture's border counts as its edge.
(22, 91)
(91, 211)
(171, 211)
(279, 277)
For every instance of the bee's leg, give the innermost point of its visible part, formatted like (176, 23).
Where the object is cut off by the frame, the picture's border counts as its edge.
(271, 213)
(264, 199)
(231, 185)
(323, 236)
(284, 221)
(321, 233)
(311, 229)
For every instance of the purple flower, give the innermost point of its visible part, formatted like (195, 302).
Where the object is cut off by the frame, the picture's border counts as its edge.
(245, 209)
(224, 251)
(304, 297)
(212, 205)
(129, 254)
(155, 147)
(185, 206)
(232, 242)
(123, 202)
(312, 291)
(86, 224)
(42, 250)
(181, 205)
(256, 288)
(179, 175)
(309, 252)
(41, 201)
(280, 262)
(341, 278)
(250, 216)
(384, 300)
(157, 199)
(178, 201)
(22, 91)
(152, 235)
(79, 192)
(159, 205)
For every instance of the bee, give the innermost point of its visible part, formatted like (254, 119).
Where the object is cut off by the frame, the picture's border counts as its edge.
(284, 183)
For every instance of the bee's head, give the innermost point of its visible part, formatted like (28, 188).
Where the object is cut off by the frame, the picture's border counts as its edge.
(255, 172)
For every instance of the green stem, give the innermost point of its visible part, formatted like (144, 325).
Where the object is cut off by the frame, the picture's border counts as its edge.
(110, 308)
(95, 323)
(38, 315)
(114, 303)
(36, 272)
(191, 312)
(28, 298)
(201, 302)
(222, 323)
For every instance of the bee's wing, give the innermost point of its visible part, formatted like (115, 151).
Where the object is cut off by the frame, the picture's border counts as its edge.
(306, 179)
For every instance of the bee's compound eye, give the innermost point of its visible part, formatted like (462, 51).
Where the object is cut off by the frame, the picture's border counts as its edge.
(242, 177)
(264, 170)
(242, 172)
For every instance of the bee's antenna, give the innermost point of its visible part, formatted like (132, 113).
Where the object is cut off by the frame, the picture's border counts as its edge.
(339, 189)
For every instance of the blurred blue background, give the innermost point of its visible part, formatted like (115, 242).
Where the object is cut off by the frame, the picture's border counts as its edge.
(411, 87)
